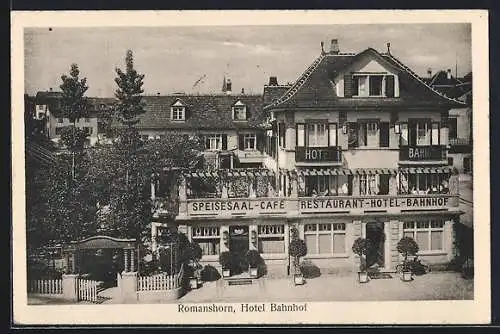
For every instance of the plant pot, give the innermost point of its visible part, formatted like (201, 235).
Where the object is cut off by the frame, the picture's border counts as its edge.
(363, 277)
(298, 279)
(406, 276)
(226, 273)
(253, 272)
(193, 283)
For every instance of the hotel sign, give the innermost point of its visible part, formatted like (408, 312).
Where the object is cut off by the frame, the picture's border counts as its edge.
(257, 206)
(237, 206)
(422, 153)
(347, 203)
(317, 154)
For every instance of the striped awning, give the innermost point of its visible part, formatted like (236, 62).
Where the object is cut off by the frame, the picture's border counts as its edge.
(428, 170)
(344, 171)
(230, 173)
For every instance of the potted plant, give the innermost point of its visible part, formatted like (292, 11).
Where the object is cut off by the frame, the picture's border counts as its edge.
(407, 247)
(194, 255)
(360, 247)
(297, 250)
(225, 260)
(253, 259)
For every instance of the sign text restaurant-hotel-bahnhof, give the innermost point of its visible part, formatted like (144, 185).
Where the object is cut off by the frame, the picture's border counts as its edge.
(355, 147)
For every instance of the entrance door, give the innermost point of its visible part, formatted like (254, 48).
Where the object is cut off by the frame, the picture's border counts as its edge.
(375, 255)
(238, 245)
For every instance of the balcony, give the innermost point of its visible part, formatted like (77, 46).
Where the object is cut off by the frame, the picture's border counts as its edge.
(312, 155)
(250, 156)
(422, 153)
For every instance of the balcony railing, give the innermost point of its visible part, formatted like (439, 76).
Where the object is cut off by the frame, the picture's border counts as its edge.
(459, 141)
(230, 207)
(422, 153)
(318, 154)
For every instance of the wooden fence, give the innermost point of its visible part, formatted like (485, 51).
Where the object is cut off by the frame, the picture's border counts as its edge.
(45, 286)
(87, 290)
(160, 281)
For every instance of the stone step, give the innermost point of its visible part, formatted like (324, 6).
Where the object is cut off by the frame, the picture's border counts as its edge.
(240, 282)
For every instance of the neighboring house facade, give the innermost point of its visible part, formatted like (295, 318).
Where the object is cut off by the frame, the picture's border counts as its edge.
(48, 109)
(460, 119)
(357, 148)
(231, 125)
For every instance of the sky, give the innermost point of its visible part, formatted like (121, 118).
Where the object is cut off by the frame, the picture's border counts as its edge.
(173, 59)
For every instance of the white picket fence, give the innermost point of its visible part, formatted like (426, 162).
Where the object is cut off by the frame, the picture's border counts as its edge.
(87, 290)
(45, 286)
(160, 281)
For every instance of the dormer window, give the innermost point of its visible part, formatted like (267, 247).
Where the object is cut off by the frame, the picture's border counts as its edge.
(178, 111)
(369, 85)
(239, 111)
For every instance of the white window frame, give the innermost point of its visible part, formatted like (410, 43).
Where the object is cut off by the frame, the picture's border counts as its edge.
(272, 231)
(60, 120)
(247, 138)
(203, 233)
(366, 91)
(371, 184)
(412, 227)
(332, 231)
(215, 138)
(371, 128)
(315, 128)
(178, 113)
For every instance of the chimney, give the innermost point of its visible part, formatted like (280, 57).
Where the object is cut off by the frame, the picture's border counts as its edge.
(322, 47)
(388, 48)
(334, 47)
(448, 74)
(228, 86)
(273, 81)
(429, 72)
(50, 89)
(158, 93)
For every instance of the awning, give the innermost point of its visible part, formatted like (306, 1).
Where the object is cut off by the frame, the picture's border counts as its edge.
(343, 171)
(428, 170)
(230, 173)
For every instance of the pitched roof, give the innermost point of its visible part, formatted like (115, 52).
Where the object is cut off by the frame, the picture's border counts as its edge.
(451, 86)
(272, 93)
(202, 112)
(53, 99)
(314, 88)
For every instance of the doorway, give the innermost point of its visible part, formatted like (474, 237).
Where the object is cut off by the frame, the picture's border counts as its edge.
(375, 255)
(238, 245)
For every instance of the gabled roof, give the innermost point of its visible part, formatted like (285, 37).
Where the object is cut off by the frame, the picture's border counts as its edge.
(272, 93)
(451, 87)
(53, 100)
(202, 112)
(314, 88)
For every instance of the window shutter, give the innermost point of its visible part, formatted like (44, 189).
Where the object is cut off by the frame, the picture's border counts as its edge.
(260, 138)
(247, 113)
(348, 85)
(224, 141)
(384, 134)
(352, 131)
(207, 143)
(241, 142)
(389, 86)
(300, 135)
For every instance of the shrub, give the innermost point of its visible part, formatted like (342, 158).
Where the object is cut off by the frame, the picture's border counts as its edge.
(407, 247)
(225, 260)
(209, 274)
(310, 270)
(297, 250)
(253, 258)
(360, 248)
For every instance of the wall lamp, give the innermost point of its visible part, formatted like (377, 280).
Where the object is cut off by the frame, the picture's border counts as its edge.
(344, 129)
(397, 128)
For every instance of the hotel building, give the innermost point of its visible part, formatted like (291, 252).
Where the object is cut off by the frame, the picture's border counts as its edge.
(356, 147)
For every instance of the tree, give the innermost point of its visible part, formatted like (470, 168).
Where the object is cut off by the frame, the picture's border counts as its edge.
(407, 247)
(129, 92)
(74, 106)
(360, 247)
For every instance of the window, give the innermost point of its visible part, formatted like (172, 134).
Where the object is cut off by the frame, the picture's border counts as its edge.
(272, 239)
(319, 134)
(467, 165)
(87, 119)
(249, 141)
(178, 113)
(59, 131)
(60, 120)
(368, 184)
(428, 234)
(325, 238)
(239, 113)
(423, 133)
(420, 184)
(368, 85)
(376, 85)
(326, 185)
(213, 142)
(281, 131)
(208, 237)
(87, 130)
(420, 132)
(452, 125)
(368, 134)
